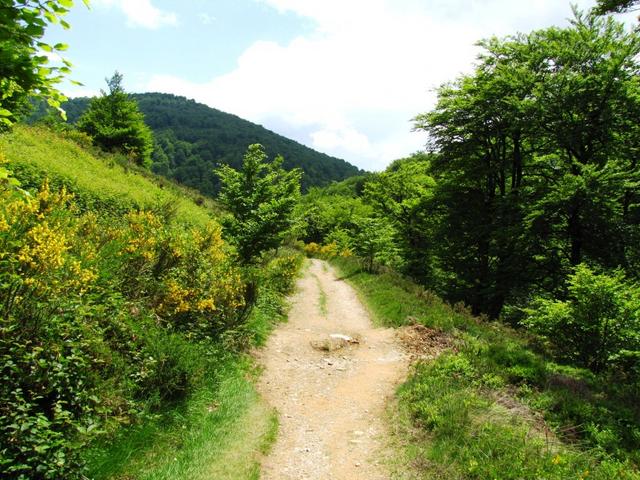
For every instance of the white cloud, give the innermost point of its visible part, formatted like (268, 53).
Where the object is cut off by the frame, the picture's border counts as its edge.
(206, 18)
(350, 87)
(141, 13)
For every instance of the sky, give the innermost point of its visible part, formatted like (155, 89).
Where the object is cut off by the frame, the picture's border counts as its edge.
(344, 77)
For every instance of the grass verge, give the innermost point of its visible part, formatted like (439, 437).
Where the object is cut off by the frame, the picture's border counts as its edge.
(495, 406)
(219, 432)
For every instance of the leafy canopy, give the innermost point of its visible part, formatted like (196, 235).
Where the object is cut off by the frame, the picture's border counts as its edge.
(615, 6)
(24, 64)
(260, 198)
(115, 123)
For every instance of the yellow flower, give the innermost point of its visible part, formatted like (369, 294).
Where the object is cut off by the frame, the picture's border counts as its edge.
(44, 249)
(177, 297)
(206, 304)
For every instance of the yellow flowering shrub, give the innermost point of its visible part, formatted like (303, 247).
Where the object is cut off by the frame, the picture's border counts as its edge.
(201, 290)
(36, 235)
(312, 249)
(329, 251)
(144, 228)
(280, 273)
(321, 251)
(109, 316)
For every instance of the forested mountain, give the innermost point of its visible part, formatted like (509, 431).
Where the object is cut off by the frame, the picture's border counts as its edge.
(192, 139)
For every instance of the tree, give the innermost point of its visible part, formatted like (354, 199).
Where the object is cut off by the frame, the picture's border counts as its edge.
(401, 194)
(536, 166)
(115, 123)
(615, 6)
(260, 198)
(24, 65)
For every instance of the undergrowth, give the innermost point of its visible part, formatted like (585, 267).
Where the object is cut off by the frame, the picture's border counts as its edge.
(122, 327)
(496, 405)
(222, 429)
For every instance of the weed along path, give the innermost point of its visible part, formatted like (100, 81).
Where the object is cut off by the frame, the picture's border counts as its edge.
(329, 373)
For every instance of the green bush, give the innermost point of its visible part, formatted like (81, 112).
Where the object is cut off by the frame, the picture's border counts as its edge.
(597, 327)
(101, 320)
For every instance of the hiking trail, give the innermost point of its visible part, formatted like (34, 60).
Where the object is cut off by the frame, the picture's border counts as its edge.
(329, 374)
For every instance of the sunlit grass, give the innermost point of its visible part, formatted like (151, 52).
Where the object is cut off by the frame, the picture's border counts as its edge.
(476, 411)
(220, 432)
(99, 181)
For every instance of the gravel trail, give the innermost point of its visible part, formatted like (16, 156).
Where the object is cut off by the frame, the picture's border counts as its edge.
(329, 373)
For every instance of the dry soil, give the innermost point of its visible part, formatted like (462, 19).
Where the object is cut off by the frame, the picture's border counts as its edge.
(329, 373)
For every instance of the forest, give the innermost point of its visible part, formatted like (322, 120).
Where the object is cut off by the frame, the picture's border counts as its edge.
(531, 175)
(191, 139)
(148, 245)
(525, 207)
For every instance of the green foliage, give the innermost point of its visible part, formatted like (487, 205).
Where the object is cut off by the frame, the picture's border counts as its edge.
(192, 139)
(479, 406)
(114, 318)
(598, 326)
(223, 426)
(373, 242)
(75, 363)
(115, 123)
(260, 199)
(324, 213)
(401, 194)
(610, 6)
(24, 64)
(535, 168)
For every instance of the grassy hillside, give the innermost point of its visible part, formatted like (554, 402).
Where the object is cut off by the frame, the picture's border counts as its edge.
(99, 181)
(492, 403)
(192, 138)
(124, 329)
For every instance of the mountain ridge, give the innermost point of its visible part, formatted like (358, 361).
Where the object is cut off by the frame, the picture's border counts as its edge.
(192, 139)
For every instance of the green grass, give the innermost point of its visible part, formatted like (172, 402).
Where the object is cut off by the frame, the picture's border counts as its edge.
(322, 297)
(220, 432)
(394, 301)
(495, 406)
(100, 181)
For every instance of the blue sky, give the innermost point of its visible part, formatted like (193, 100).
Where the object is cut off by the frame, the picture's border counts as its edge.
(342, 76)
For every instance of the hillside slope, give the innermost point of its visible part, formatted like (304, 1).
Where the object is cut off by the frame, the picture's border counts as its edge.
(98, 181)
(192, 138)
(124, 329)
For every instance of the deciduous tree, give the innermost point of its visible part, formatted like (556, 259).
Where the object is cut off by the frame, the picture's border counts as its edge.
(24, 65)
(260, 198)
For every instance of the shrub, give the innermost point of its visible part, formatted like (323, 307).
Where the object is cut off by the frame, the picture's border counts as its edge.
(47, 392)
(101, 319)
(598, 326)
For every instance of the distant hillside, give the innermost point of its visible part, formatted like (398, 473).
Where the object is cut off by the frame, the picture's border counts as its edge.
(192, 138)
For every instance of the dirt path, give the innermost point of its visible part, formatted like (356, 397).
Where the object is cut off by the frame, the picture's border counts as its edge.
(331, 400)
